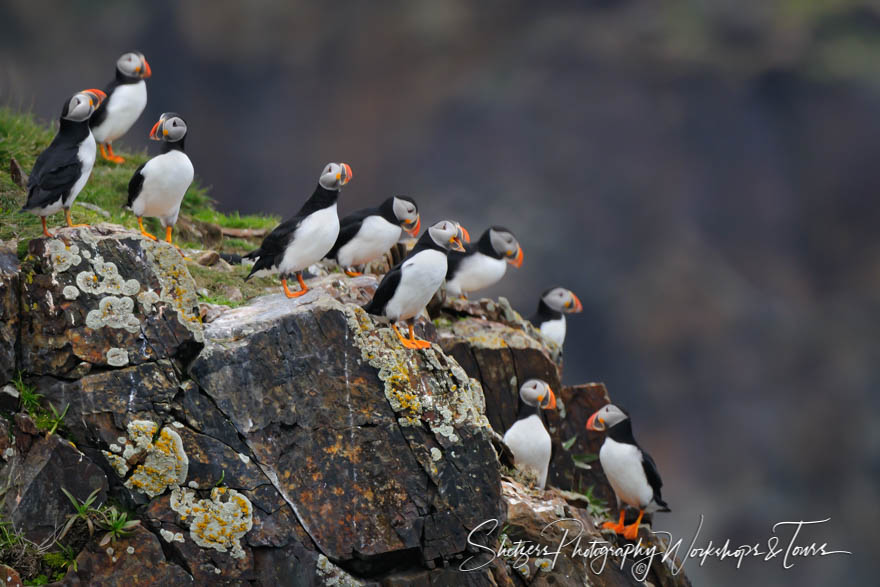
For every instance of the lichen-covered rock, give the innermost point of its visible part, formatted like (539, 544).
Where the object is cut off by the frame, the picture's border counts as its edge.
(34, 470)
(347, 425)
(9, 316)
(104, 297)
(501, 357)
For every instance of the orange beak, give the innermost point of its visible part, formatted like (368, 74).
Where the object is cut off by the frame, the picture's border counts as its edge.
(154, 132)
(464, 233)
(551, 405)
(456, 244)
(414, 231)
(346, 173)
(100, 96)
(577, 306)
(592, 425)
(147, 71)
(517, 261)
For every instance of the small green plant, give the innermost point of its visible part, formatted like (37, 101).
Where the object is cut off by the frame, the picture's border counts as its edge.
(222, 477)
(569, 443)
(62, 560)
(117, 525)
(83, 511)
(28, 398)
(595, 506)
(583, 460)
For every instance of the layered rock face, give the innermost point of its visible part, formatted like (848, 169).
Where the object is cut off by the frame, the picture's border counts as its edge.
(287, 442)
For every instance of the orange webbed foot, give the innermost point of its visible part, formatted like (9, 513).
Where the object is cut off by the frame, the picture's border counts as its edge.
(631, 532)
(293, 294)
(618, 528)
(352, 273)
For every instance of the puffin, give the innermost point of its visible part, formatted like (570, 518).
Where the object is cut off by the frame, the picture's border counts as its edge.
(158, 186)
(554, 304)
(126, 99)
(630, 470)
(527, 438)
(369, 233)
(408, 287)
(62, 170)
(483, 264)
(308, 236)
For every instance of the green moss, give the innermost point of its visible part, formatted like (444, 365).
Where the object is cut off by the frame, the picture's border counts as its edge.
(215, 281)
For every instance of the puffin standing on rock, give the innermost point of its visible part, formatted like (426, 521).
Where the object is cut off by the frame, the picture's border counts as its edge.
(528, 439)
(62, 170)
(630, 470)
(158, 186)
(408, 287)
(554, 305)
(126, 99)
(368, 234)
(307, 237)
(484, 264)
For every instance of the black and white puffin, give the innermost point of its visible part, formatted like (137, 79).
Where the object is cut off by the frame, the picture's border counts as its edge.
(126, 99)
(555, 303)
(157, 187)
(483, 264)
(408, 287)
(527, 438)
(62, 170)
(307, 237)
(630, 470)
(369, 233)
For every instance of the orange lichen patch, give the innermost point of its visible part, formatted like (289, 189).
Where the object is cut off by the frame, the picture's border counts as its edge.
(219, 522)
(165, 464)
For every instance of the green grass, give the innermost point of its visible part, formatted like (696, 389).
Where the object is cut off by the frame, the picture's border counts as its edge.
(24, 138)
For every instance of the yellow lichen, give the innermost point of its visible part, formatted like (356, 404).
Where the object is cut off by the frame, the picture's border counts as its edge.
(219, 522)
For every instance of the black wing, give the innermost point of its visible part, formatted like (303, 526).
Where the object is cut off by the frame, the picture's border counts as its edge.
(386, 289)
(454, 260)
(100, 115)
(273, 245)
(653, 479)
(54, 173)
(135, 185)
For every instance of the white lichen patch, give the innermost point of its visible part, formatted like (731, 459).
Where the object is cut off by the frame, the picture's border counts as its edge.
(164, 463)
(70, 292)
(63, 256)
(146, 299)
(219, 522)
(115, 448)
(117, 357)
(171, 536)
(114, 312)
(130, 550)
(333, 575)
(436, 454)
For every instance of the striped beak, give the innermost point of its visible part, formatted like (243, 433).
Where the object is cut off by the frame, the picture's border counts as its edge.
(97, 96)
(157, 131)
(344, 176)
(573, 305)
(145, 71)
(595, 423)
(517, 260)
(413, 228)
(551, 401)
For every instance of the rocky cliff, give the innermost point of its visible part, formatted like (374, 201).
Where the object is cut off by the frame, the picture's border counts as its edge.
(285, 442)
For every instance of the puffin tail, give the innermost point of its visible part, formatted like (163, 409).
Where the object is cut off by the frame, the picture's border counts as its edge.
(262, 262)
(664, 507)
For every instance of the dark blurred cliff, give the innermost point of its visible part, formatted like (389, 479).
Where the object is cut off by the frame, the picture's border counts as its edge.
(700, 173)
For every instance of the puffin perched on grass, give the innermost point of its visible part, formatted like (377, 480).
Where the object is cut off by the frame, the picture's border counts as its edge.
(158, 186)
(369, 233)
(307, 237)
(527, 438)
(554, 304)
(126, 99)
(630, 470)
(62, 170)
(484, 264)
(408, 287)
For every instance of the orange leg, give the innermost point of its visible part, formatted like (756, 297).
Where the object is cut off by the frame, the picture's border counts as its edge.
(69, 221)
(113, 156)
(618, 527)
(167, 234)
(143, 230)
(302, 285)
(353, 273)
(45, 230)
(403, 340)
(417, 344)
(631, 532)
(103, 151)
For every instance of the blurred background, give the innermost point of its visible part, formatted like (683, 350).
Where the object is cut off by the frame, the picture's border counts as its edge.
(702, 174)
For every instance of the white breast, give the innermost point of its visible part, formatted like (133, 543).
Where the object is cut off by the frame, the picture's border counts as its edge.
(554, 330)
(476, 272)
(313, 239)
(622, 464)
(421, 277)
(531, 446)
(124, 106)
(374, 238)
(166, 179)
